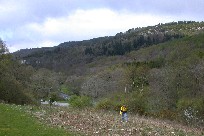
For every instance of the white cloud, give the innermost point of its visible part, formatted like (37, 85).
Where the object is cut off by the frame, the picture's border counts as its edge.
(92, 23)
(82, 25)
(28, 24)
(8, 7)
(13, 49)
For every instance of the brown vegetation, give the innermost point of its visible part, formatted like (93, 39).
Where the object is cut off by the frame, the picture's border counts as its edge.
(97, 123)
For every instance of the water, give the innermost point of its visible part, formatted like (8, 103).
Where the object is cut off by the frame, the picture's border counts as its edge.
(62, 104)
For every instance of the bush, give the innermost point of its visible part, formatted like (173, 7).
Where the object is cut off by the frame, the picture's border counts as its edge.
(191, 110)
(157, 63)
(66, 89)
(167, 114)
(108, 104)
(105, 104)
(80, 101)
(135, 102)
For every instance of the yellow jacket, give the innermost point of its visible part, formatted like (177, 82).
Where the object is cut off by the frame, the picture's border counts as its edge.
(123, 109)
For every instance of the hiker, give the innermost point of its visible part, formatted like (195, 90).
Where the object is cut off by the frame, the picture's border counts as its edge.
(123, 112)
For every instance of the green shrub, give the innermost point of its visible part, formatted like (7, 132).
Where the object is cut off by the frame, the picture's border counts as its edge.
(157, 63)
(66, 89)
(200, 54)
(135, 102)
(105, 104)
(167, 114)
(80, 101)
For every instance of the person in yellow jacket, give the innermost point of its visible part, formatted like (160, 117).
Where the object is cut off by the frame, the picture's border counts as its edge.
(123, 112)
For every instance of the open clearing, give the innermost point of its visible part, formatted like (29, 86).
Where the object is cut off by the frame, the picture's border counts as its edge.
(58, 121)
(15, 122)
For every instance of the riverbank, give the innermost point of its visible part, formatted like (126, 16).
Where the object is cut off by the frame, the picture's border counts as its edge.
(62, 104)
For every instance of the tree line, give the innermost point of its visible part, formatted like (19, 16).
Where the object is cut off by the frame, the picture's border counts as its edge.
(23, 84)
(120, 46)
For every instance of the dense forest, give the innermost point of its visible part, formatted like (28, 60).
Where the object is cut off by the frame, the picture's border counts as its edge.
(155, 70)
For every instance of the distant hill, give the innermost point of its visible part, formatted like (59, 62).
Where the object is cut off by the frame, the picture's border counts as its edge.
(68, 54)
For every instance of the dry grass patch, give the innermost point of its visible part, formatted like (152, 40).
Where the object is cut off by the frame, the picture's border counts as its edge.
(91, 122)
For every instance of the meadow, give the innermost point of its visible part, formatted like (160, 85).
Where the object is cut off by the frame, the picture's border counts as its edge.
(15, 121)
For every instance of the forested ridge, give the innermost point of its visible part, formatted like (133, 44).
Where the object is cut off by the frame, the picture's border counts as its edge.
(156, 70)
(68, 54)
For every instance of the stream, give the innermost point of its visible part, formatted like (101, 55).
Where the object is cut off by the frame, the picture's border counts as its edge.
(62, 104)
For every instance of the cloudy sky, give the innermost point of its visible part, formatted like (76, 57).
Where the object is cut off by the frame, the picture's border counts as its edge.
(44, 23)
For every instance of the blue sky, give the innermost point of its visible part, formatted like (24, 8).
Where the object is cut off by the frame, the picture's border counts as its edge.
(45, 23)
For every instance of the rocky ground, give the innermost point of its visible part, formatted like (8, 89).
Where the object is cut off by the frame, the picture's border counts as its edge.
(99, 123)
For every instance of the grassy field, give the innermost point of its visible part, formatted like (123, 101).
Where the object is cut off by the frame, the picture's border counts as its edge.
(15, 122)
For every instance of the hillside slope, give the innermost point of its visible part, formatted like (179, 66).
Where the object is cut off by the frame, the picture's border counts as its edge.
(89, 62)
(97, 123)
(160, 77)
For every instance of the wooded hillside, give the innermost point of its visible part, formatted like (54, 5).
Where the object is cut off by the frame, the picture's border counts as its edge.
(159, 67)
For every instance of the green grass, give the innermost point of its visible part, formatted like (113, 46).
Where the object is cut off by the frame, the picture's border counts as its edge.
(15, 122)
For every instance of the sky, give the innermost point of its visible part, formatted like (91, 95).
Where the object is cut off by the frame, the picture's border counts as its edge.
(46, 23)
